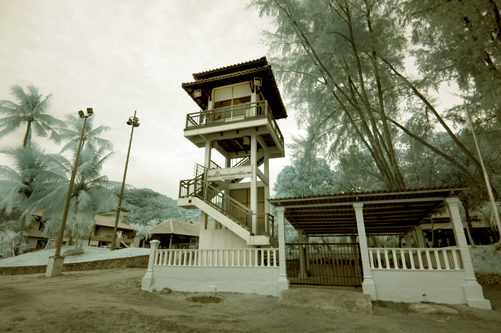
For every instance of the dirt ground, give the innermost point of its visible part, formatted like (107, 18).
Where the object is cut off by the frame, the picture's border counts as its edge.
(112, 301)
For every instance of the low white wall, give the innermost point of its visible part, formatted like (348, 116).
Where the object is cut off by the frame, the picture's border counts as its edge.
(248, 280)
(410, 286)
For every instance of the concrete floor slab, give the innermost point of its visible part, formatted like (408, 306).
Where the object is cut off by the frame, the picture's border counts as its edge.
(329, 299)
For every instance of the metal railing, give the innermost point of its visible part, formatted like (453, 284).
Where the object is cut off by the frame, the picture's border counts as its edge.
(269, 222)
(324, 264)
(233, 209)
(234, 113)
(415, 258)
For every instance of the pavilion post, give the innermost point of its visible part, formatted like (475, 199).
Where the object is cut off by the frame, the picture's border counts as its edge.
(419, 237)
(368, 285)
(473, 291)
(283, 282)
(302, 261)
(408, 240)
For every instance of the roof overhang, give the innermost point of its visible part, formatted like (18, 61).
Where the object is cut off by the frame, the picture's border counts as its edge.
(385, 212)
(244, 72)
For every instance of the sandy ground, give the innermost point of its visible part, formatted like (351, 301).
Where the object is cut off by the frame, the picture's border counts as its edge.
(112, 301)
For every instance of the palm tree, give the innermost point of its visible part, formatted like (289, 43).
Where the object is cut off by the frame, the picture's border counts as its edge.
(31, 109)
(91, 193)
(32, 172)
(72, 132)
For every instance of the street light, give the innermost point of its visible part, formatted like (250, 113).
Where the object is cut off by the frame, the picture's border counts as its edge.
(134, 122)
(55, 264)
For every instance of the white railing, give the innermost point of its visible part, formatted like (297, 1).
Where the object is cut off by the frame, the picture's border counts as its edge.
(225, 257)
(415, 258)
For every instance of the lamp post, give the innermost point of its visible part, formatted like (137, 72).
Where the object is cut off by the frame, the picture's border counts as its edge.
(55, 264)
(134, 122)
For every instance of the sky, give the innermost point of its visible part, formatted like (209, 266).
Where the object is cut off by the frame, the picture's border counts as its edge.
(118, 56)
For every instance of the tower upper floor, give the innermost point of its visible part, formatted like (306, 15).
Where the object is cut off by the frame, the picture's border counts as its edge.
(236, 101)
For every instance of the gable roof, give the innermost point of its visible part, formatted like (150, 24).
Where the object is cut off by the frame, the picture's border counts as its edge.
(242, 72)
(177, 227)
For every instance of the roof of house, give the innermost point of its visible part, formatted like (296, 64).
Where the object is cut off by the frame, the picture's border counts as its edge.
(104, 220)
(242, 72)
(109, 221)
(177, 227)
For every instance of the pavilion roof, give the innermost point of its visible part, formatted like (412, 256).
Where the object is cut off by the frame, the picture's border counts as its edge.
(385, 212)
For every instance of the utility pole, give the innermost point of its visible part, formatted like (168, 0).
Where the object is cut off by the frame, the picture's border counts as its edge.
(55, 264)
(134, 122)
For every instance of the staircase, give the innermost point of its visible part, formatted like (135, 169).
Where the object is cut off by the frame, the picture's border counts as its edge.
(198, 193)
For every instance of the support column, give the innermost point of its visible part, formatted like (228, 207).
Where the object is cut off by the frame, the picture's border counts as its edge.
(307, 253)
(368, 285)
(408, 240)
(267, 191)
(302, 261)
(147, 282)
(208, 148)
(473, 291)
(419, 237)
(283, 282)
(253, 189)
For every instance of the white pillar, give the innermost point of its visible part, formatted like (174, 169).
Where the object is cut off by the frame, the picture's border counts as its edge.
(473, 291)
(267, 190)
(283, 282)
(368, 285)
(147, 282)
(253, 189)
(208, 148)
(302, 262)
(419, 237)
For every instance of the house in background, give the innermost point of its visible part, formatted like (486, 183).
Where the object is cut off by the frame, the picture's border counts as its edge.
(174, 234)
(100, 236)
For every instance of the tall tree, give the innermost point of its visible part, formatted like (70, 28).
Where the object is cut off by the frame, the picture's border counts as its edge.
(31, 173)
(297, 180)
(90, 196)
(71, 133)
(31, 110)
(343, 64)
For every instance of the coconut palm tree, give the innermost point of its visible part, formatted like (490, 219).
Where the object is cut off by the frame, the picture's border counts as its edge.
(31, 110)
(91, 193)
(32, 172)
(72, 132)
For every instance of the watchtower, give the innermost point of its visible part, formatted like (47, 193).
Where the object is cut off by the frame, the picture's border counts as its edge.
(239, 108)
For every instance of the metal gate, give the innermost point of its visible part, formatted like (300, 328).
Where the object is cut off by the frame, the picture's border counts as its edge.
(331, 264)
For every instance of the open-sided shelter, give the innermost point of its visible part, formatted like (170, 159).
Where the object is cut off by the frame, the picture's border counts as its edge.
(414, 273)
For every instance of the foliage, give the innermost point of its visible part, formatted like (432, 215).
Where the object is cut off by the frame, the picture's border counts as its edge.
(344, 67)
(90, 194)
(31, 110)
(12, 242)
(300, 180)
(31, 174)
(72, 132)
(146, 205)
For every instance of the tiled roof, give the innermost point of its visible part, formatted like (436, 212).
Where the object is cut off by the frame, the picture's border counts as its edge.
(260, 61)
(177, 227)
(242, 72)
